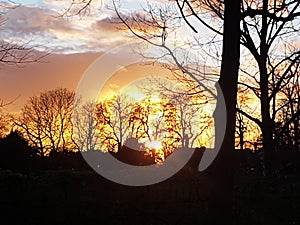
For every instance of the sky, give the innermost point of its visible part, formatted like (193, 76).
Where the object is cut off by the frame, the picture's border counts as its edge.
(41, 22)
(72, 45)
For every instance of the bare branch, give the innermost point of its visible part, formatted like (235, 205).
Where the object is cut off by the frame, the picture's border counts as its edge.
(257, 121)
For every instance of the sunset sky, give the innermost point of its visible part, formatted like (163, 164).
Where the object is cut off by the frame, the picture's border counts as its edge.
(73, 44)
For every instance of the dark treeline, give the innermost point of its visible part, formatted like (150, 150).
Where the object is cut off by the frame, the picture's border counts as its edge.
(17, 155)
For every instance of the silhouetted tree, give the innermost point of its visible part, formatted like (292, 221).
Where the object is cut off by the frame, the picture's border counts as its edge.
(288, 115)
(193, 120)
(267, 31)
(140, 119)
(247, 132)
(155, 120)
(86, 134)
(113, 121)
(5, 123)
(45, 121)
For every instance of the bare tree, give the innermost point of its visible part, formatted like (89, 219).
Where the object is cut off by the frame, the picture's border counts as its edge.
(155, 120)
(107, 138)
(267, 30)
(86, 134)
(288, 112)
(45, 121)
(6, 119)
(188, 102)
(192, 119)
(6, 123)
(140, 119)
(113, 116)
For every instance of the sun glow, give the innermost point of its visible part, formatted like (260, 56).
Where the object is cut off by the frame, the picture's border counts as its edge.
(154, 145)
(156, 149)
(155, 110)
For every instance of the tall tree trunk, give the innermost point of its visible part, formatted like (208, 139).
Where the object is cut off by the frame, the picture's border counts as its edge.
(267, 124)
(222, 169)
(297, 126)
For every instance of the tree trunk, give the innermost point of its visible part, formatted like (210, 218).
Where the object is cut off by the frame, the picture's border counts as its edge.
(222, 169)
(267, 124)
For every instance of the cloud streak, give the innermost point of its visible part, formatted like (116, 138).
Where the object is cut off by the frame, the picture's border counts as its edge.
(65, 35)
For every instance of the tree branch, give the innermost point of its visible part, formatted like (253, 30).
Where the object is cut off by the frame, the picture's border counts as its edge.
(257, 121)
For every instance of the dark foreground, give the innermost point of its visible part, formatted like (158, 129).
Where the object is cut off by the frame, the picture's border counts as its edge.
(83, 197)
(62, 189)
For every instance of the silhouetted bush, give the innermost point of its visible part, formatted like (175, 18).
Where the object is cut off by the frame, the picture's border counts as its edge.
(15, 154)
